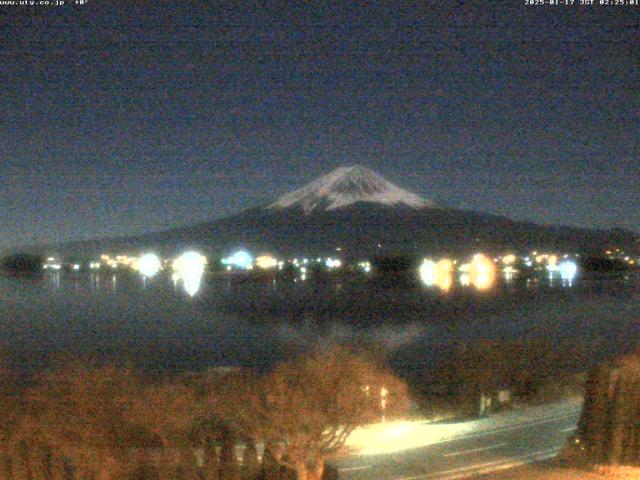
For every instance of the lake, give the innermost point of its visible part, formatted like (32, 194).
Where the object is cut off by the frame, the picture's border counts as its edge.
(155, 324)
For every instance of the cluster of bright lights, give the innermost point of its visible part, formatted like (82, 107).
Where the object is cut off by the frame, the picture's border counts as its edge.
(542, 258)
(52, 266)
(480, 272)
(509, 259)
(190, 263)
(120, 261)
(240, 259)
(622, 255)
(148, 264)
(366, 266)
(297, 262)
(428, 272)
(266, 262)
(126, 260)
(333, 263)
(437, 274)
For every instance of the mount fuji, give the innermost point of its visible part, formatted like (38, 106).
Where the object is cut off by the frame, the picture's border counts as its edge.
(347, 186)
(361, 213)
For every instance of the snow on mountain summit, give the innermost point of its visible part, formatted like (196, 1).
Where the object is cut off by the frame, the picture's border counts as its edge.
(345, 186)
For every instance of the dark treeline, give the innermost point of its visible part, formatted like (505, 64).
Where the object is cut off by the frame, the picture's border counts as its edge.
(530, 370)
(609, 428)
(604, 265)
(80, 421)
(21, 263)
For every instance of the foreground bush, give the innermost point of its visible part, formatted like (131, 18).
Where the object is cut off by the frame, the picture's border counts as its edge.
(79, 421)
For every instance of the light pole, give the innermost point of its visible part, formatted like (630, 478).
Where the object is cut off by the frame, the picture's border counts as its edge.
(383, 401)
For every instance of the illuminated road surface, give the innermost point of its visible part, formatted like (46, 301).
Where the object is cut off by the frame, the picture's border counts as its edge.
(416, 451)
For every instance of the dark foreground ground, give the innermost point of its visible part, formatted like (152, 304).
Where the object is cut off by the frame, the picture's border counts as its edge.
(543, 471)
(556, 470)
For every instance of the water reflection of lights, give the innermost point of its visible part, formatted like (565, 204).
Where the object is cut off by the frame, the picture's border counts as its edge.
(148, 264)
(189, 268)
(55, 279)
(482, 272)
(509, 273)
(568, 271)
(444, 276)
(190, 282)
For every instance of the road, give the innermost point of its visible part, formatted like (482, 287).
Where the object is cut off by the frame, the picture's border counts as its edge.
(460, 450)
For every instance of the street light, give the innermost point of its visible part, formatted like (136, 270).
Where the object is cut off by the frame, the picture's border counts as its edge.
(383, 402)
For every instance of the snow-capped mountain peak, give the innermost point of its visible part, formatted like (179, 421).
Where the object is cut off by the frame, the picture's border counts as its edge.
(345, 186)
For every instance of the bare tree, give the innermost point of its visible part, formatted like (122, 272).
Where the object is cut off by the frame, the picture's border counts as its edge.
(77, 413)
(305, 409)
(10, 409)
(168, 410)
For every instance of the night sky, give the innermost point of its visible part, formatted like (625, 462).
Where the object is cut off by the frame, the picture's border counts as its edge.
(118, 119)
